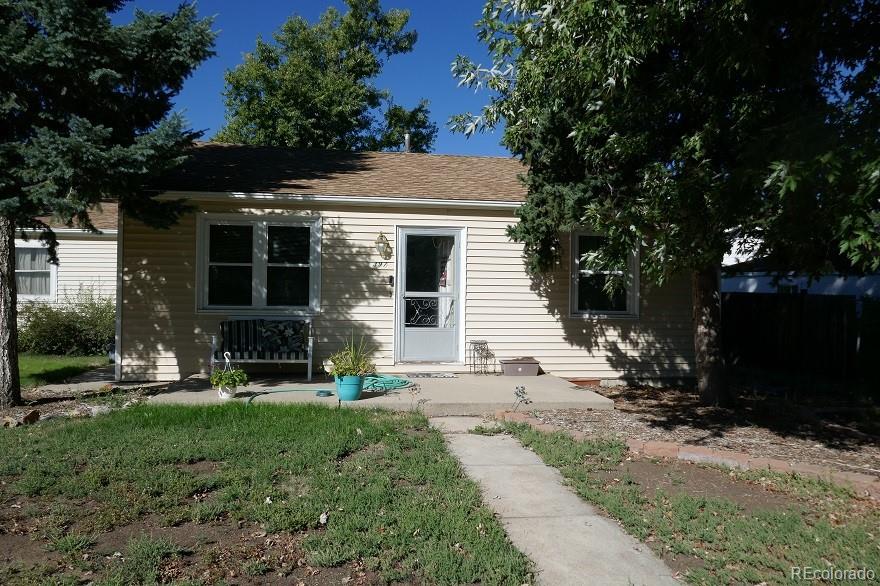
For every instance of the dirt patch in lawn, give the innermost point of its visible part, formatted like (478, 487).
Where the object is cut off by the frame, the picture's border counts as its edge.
(23, 549)
(230, 552)
(200, 468)
(365, 454)
(700, 481)
(676, 477)
(757, 425)
(237, 553)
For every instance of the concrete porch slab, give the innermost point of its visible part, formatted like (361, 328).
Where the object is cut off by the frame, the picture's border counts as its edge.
(467, 394)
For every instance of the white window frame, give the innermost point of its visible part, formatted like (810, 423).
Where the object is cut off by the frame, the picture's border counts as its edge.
(632, 292)
(259, 262)
(53, 273)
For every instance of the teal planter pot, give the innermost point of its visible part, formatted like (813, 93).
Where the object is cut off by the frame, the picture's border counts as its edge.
(348, 388)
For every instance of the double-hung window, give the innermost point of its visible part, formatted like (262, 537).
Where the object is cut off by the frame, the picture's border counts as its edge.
(260, 263)
(34, 274)
(590, 295)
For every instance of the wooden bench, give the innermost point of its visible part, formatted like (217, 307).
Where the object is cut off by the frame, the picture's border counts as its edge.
(264, 340)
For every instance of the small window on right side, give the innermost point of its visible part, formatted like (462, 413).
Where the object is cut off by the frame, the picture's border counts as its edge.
(589, 294)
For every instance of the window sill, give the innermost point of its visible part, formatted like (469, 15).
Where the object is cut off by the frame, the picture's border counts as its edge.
(604, 316)
(258, 311)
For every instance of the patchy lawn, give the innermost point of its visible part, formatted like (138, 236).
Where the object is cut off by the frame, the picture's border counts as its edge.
(713, 525)
(238, 494)
(43, 369)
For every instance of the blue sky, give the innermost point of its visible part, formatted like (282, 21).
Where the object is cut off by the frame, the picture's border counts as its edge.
(445, 29)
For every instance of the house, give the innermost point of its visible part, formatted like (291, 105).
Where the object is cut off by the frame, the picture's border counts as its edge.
(408, 250)
(86, 261)
(761, 276)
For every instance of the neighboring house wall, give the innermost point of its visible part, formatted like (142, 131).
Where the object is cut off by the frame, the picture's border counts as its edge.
(164, 337)
(866, 286)
(86, 262)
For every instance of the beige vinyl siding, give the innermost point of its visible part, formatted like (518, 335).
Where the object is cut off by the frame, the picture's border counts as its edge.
(165, 337)
(85, 264)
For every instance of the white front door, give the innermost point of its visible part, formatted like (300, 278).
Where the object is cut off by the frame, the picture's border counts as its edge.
(428, 300)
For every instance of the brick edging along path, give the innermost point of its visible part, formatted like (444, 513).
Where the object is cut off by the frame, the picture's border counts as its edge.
(862, 484)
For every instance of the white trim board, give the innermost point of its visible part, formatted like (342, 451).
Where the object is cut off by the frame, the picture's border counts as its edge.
(75, 232)
(117, 346)
(340, 199)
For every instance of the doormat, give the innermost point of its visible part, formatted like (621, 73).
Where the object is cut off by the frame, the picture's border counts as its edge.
(431, 375)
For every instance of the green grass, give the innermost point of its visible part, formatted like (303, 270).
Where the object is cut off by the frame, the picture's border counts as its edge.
(42, 369)
(396, 499)
(72, 544)
(827, 525)
(142, 561)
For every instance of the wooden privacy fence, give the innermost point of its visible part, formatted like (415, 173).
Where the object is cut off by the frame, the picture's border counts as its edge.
(831, 335)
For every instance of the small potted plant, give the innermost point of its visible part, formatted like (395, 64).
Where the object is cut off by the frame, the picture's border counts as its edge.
(227, 380)
(350, 365)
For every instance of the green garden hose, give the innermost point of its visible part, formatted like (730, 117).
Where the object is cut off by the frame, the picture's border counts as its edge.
(385, 382)
(379, 382)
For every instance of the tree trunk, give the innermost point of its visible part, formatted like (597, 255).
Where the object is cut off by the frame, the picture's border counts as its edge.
(10, 391)
(711, 376)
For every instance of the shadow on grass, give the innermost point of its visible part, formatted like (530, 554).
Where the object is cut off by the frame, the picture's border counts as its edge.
(58, 375)
(38, 370)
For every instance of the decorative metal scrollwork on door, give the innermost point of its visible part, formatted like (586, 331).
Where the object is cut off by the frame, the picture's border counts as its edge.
(421, 312)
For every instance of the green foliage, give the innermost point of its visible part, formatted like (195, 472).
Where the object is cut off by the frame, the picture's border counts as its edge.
(686, 128)
(229, 379)
(86, 106)
(313, 87)
(83, 325)
(353, 359)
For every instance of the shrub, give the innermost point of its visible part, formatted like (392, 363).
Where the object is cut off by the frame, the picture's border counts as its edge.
(83, 325)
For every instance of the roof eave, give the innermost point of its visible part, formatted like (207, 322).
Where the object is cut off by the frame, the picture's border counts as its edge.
(341, 199)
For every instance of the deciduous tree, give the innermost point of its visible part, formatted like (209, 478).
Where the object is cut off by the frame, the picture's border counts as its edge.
(686, 128)
(314, 86)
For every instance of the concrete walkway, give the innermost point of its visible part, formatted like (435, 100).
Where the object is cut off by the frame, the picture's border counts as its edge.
(569, 541)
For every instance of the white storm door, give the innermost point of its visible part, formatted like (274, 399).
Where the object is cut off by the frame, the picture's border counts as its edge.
(428, 304)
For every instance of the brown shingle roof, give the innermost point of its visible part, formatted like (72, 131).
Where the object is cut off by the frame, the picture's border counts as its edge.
(216, 167)
(103, 219)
